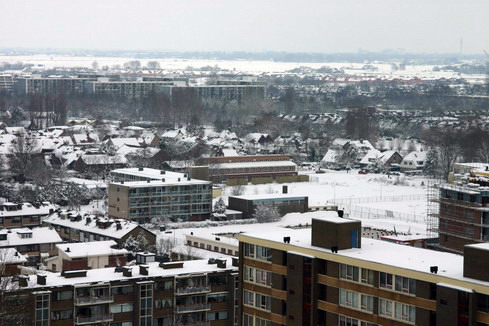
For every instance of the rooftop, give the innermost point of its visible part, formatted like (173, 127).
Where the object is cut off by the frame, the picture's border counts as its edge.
(20, 236)
(265, 197)
(108, 274)
(90, 249)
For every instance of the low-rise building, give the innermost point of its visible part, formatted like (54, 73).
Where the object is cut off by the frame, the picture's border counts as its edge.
(15, 215)
(247, 167)
(193, 293)
(154, 193)
(88, 255)
(285, 203)
(33, 243)
(79, 227)
(10, 260)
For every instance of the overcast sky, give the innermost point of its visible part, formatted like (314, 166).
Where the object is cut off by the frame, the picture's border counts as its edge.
(247, 25)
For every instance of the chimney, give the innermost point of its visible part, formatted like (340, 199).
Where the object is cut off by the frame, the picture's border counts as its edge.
(434, 269)
(23, 281)
(141, 169)
(41, 279)
(148, 181)
(162, 172)
(221, 263)
(286, 239)
(143, 269)
(122, 182)
(285, 189)
(127, 271)
(178, 179)
(163, 180)
(340, 213)
(68, 249)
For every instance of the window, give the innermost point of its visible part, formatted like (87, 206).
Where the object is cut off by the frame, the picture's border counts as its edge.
(164, 303)
(257, 300)
(221, 315)
(405, 284)
(249, 320)
(119, 308)
(42, 310)
(347, 321)
(397, 310)
(125, 323)
(258, 252)
(146, 304)
(218, 280)
(256, 275)
(357, 274)
(217, 297)
(385, 280)
(164, 285)
(122, 290)
(62, 295)
(62, 314)
(356, 300)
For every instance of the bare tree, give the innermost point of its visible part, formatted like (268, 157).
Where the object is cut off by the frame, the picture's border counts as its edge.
(237, 190)
(153, 65)
(266, 212)
(23, 150)
(13, 302)
(164, 247)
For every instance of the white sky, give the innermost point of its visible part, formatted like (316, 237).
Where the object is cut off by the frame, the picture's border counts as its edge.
(247, 25)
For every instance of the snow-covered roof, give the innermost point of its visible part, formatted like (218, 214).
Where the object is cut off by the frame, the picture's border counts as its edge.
(90, 249)
(229, 152)
(371, 156)
(27, 209)
(11, 256)
(107, 274)
(111, 231)
(96, 159)
(256, 164)
(408, 258)
(119, 142)
(335, 219)
(25, 236)
(265, 197)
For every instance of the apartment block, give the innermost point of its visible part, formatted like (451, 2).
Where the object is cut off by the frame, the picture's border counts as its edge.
(329, 275)
(194, 293)
(154, 193)
(463, 216)
(249, 167)
(36, 84)
(128, 89)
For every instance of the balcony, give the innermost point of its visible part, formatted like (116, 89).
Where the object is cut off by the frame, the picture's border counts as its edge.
(193, 308)
(193, 290)
(192, 323)
(83, 301)
(93, 319)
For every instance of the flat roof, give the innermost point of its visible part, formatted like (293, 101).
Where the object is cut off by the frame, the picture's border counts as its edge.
(90, 249)
(335, 219)
(254, 164)
(377, 255)
(265, 197)
(108, 274)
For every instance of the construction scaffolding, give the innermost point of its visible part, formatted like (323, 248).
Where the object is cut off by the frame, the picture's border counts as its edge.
(432, 207)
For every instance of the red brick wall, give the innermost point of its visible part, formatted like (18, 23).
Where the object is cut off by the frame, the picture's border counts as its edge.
(71, 265)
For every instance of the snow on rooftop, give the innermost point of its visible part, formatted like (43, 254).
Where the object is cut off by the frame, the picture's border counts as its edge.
(333, 217)
(265, 197)
(89, 249)
(108, 274)
(11, 256)
(25, 236)
(27, 209)
(91, 225)
(255, 164)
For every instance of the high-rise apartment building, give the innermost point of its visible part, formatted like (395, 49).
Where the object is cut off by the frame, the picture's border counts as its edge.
(328, 275)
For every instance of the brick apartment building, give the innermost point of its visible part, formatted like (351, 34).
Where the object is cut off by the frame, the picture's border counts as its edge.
(15, 215)
(141, 194)
(194, 293)
(223, 168)
(463, 216)
(331, 276)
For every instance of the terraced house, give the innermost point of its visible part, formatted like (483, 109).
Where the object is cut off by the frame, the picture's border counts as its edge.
(331, 276)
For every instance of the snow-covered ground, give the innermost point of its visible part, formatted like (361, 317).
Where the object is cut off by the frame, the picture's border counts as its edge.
(246, 66)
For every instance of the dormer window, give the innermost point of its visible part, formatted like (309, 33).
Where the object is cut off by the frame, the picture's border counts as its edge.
(27, 235)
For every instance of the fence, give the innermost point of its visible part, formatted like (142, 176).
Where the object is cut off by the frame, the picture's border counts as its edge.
(362, 212)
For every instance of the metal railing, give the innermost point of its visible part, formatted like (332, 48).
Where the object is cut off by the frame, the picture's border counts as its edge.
(193, 290)
(93, 300)
(93, 318)
(193, 307)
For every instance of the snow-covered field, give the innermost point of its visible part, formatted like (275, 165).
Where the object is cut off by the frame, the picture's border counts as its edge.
(245, 66)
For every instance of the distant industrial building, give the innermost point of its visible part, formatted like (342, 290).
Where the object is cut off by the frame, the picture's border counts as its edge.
(284, 203)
